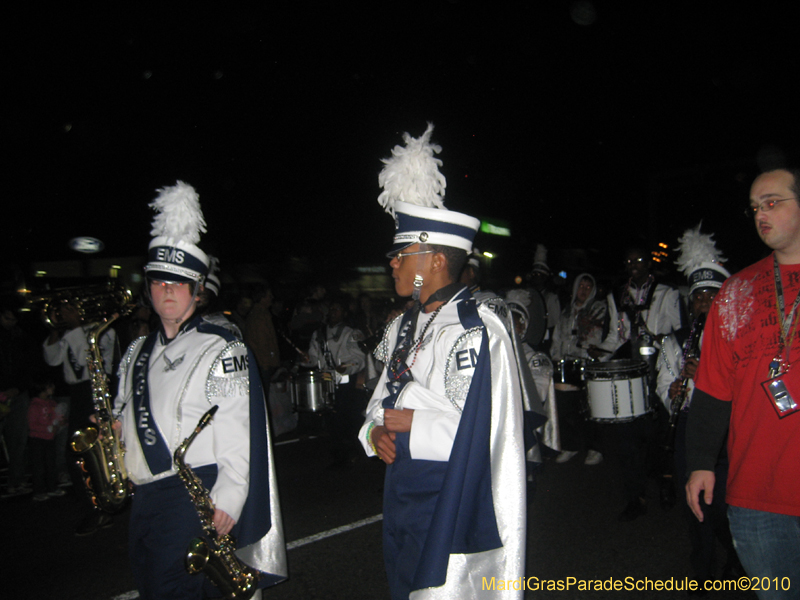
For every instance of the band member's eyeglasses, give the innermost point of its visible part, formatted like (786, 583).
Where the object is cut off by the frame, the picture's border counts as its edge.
(399, 256)
(765, 206)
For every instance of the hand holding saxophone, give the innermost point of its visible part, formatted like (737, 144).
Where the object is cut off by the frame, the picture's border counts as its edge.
(116, 425)
(223, 522)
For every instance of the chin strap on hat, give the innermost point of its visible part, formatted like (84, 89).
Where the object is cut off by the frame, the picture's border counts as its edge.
(193, 304)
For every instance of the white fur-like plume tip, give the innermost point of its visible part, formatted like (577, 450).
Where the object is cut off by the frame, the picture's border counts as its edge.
(178, 214)
(412, 174)
(696, 248)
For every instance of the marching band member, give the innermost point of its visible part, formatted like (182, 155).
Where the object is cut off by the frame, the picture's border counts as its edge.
(701, 262)
(540, 367)
(69, 348)
(446, 415)
(646, 310)
(580, 325)
(168, 380)
(334, 348)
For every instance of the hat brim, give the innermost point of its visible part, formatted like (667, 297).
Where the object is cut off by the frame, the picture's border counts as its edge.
(162, 275)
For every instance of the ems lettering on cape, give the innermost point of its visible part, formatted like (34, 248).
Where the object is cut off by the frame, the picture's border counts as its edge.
(460, 366)
(230, 374)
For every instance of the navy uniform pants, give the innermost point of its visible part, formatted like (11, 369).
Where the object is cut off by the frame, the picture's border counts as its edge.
(163, 522)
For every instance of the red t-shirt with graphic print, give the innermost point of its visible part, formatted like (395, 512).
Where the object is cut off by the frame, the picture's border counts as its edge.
(741, 337)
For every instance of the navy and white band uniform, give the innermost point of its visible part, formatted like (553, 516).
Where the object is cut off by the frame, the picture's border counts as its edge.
(168, 380)
(186, 377)
(661, 316)
(446, 415)
(442, 375)
(71, 352)
(340, 349)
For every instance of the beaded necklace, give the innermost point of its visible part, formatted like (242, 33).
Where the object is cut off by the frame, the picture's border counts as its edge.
(396, 361)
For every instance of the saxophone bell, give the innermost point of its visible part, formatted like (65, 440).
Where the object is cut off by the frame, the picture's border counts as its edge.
(201, 558)
(108, 486)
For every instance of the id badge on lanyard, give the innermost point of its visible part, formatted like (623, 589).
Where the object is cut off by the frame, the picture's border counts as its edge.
(782, 387)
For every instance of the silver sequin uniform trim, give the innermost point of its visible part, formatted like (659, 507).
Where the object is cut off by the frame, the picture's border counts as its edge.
(381, 353)
(456, 387)
(226, 387)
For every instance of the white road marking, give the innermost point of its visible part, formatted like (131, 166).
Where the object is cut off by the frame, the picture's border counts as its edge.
(284, 442)
(331, 532)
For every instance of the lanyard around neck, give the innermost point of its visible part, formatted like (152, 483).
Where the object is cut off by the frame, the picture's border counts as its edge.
(785, 321)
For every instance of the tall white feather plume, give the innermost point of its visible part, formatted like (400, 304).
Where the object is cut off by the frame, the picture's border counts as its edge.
(178, 214)
(412, 174)
(694, 249)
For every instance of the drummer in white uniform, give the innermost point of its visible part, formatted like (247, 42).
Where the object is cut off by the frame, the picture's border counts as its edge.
(582, 324)
(644, 311)
(334, 348)
(168, 380)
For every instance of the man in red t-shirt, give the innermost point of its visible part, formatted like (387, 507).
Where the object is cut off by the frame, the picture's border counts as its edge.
(748, 341)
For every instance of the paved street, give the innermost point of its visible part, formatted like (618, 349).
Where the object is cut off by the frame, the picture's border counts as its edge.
(572, 532)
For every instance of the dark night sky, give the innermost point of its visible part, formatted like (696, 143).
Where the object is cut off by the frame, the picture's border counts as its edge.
(582, 124)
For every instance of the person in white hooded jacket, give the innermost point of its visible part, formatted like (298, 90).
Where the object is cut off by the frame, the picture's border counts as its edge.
(582, 323)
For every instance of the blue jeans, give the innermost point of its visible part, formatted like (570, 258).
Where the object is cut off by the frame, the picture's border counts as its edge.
(768, 545)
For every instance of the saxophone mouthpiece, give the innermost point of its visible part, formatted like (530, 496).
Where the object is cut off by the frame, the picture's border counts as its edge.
(207, 417)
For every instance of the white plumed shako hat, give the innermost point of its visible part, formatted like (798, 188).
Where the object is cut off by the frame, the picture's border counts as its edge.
(413, 193)
(700, 260)
(173, 254)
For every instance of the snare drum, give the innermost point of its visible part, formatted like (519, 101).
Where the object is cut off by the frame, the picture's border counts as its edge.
(569, 370)
(617, 390)
(312, 391)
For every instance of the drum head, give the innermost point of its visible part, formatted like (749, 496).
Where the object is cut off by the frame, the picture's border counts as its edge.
(616, 369)
(537, 323)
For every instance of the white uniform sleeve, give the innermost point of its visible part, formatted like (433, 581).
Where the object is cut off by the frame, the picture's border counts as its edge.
(108, 342)
(434, 425)
(315, 358)
(559, 337)
(666, 361)
(672, 304)
(228, 386)
(667, 373)
(350, 354)
(54, 353)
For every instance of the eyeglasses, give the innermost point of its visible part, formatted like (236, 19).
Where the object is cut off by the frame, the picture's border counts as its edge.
(634, 261)
(765, 206)
(163, 284)
(399, 256)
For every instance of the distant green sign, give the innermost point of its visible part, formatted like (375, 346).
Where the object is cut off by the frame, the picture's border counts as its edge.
(496, 228)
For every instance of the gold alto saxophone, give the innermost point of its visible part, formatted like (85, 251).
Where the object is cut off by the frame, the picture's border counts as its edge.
(215, 555)
(101, 452)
